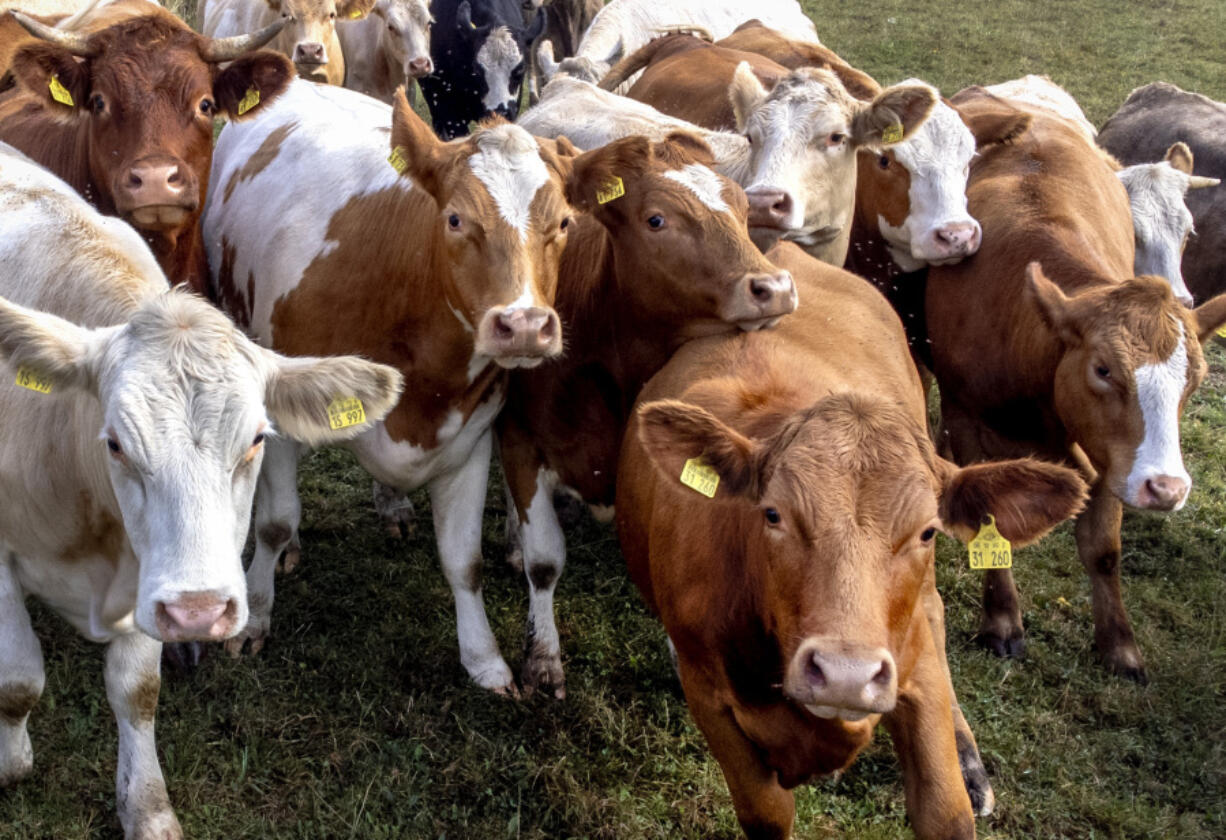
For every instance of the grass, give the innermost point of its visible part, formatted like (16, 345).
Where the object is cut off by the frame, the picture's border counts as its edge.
(357, 721)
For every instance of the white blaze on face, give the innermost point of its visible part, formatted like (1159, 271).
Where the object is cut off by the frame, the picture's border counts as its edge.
(509, 164)
(498, 57)
(704, 183)
(937, 157)
(1160, 386)
(1160, 220)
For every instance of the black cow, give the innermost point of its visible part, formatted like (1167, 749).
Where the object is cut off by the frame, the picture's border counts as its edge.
(478, 48)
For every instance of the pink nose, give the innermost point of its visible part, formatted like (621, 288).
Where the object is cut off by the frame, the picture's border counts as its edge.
(196, 615)
(842, 677)
(769, 207)
(528, 332)
(960, 239)
(309, 53)
(149, 184)
(1162, 492)
(775, 294)
(421, 66)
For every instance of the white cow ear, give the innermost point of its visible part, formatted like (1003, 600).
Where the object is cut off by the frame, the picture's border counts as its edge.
(745, 93)
(53, 351)
(319, 400)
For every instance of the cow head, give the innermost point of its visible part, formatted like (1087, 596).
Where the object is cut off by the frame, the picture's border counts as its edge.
(186, 404)
(499, 47)
(1160, 219)
(913, 193)
(503, 220)
(803, 136)
(309, 37)
(677, 230)
(838, 508)
(145, 93)
(1130, 358)
(406, 34)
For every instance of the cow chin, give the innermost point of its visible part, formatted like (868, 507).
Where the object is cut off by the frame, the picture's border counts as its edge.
(159, 217)
(518, 362)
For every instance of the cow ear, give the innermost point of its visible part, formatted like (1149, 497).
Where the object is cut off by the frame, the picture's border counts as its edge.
(251, 82)
(902, 107)
(599, 178)
(745, 93)
(1179, 156)
(1210, 316)
(354, 9)
(1026, 496)
(1054, 305)
(51, 349)
(36, 65)
(310, 399)
(559, 155)
(425, 156)
(674, 432)
(996, 126)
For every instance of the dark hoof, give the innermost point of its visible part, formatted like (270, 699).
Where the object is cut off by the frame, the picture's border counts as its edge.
(182, 658)
(975, 777)
(1013, 647)
(569, 508)
(1136, 673)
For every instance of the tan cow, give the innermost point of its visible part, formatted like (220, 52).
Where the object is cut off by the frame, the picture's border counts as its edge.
(387, 48)
(1045, 342)
(801, 597)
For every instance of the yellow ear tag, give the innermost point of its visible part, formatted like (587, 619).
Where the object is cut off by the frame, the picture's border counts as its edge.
(249, 101)
(60, 93)
(1221, 331)
(989, 550)
(28, 378)
(397, 159)
(613, 188)
(892, 134)
(700, 477)
(344, 412)
(356, 14)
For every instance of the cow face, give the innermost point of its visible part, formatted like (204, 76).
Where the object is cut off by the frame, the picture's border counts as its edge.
(499, 47)
(406, 35)
(1160, 219)
(309, 37)
(145, 98)
(186, 404)
(679, 230)
(1131, 357)
(503, 220)
(838, 509)
(803, 137)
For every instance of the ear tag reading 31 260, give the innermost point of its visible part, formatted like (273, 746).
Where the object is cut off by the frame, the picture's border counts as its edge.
(892, 134)
(989, 550)
(32, 379)
(60, 93)
(613, 188)
(698, 476)
(344, 412)
(249, 101)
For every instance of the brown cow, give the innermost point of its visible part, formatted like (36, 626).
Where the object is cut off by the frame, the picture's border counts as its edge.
(137, 138)
(1092, 366)
(801, 598)
(669, 260)
(753, 36)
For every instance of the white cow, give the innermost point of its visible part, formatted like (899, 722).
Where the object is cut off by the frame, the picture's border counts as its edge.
(128, 461)
(805, 133)
(388, 48)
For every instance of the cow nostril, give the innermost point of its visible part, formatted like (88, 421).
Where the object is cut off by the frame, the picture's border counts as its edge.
(502, 329)
(761, 290)
(175, 177)
(134, 181)
(814, 673)
(884, 674)
(548, 330)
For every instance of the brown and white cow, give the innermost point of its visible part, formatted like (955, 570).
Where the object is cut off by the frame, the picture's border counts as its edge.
(137, 139)
(127, 478)
(308, 34)
(668, 260)
(1046, 343)
(801, 598)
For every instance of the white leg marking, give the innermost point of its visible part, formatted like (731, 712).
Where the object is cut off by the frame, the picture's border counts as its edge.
(544, 555)
(21, 677)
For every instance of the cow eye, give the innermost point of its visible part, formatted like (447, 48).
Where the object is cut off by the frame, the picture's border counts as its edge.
(565, 223)
(836, 138)
(656, 222)
(749, 139)
(1102, 371)
(258, 439)
(392, 29)
(113, 445)
(97, 104)
(928, 533)
(772, 516)
(207, 106)
(332, 16)
(453, 222)
(884, 162)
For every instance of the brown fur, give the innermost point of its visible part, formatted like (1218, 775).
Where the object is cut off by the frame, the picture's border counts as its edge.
(752, 36)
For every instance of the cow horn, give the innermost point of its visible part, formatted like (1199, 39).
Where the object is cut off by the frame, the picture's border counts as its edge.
(228, 49)
(74, 42)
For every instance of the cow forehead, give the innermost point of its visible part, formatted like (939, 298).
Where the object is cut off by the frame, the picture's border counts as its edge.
(807, 108)
(942, 142)
(509, 165)
(310, 8)
(499, 49)
(703, 183)
(1137, 328)
(1155, 193)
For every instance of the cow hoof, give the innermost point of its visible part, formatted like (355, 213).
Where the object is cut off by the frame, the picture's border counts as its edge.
(570, 509)
(182, 658)
(542, 673)
(394, 509)
(16, 756)
(163, 826)
(497, 678)
(975, 777)
(254, 635)
(1011, 647)
(1127, 663)
(289, 560)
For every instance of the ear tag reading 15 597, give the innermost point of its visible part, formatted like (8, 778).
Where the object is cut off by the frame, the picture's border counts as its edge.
(60, 93)
(33, 380)
(344, 412)
(613, 188)
(249, 101)
(989, 550)
(700, 477)
(892, 134)
(398, 161)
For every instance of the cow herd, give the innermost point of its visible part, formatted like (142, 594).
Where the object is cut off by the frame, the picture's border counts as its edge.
(701, 284)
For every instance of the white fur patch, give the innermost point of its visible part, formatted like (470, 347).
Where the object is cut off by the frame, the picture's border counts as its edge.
(498, 56)
(1160, 220)
(1159, 388)
(703, 183)
(509, 163)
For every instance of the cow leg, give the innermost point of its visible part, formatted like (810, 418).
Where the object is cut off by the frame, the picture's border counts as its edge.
(514, 540)
(21, 678)
(132, 683)
(1098, 545)
(457, 500)
(277, 514)
(974, 774)
(394, 510)
(544, 554)
(923, 734)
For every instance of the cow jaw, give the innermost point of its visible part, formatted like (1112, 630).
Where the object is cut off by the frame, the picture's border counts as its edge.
(159, 218)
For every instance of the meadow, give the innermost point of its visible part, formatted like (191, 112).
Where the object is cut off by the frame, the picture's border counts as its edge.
(357, 720)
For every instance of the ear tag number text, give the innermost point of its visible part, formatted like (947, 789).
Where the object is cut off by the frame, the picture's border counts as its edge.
(344, 412)
(989, 550)
(249, 101)
(398, 161)
(32, 379)
(698, 476)
(892, 134)
(612, 189)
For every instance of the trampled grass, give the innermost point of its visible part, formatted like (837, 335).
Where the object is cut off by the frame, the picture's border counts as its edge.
(357, 721)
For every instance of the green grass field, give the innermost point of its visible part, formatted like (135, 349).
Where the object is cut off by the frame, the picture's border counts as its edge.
(357, 720)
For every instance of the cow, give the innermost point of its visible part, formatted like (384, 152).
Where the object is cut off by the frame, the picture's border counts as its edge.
(668, 260)
(565, 23)
(135, 421)
(137, 139)
(797, 585)
(794, 153)
(1045, 342)
(479, 49)
(387, 48)
(308, 34)
(793, 53)
(1150, 122)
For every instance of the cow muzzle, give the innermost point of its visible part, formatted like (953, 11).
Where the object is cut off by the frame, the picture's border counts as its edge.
(771, 208)
(197, 616)
(760, 300)
(519, 336)
(419, 67)
(836, 679)
(157, 195)
(310, 54)
(1162, 492)
(950, 243)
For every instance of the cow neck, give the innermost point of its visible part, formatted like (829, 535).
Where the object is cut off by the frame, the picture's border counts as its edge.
(62, 147)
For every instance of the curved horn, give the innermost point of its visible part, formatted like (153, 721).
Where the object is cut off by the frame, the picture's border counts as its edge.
(228, 49)
(74, 42)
